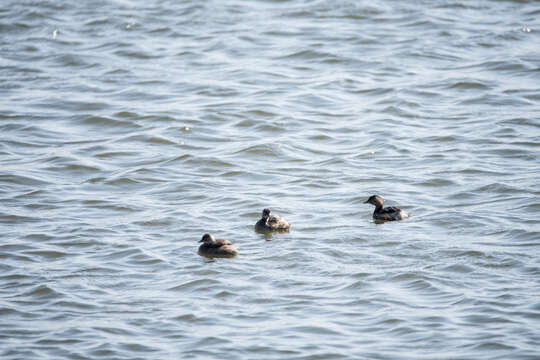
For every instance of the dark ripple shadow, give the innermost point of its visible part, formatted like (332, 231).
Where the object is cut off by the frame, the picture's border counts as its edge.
(21, 180)
(104, 123)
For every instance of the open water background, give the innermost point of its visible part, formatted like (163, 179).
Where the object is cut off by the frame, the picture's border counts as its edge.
(130, 128)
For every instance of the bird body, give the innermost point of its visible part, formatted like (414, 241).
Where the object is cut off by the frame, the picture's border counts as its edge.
(270, 222)
(389, 213)
(216, 248)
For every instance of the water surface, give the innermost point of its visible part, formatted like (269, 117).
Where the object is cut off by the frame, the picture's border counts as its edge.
(130, 128)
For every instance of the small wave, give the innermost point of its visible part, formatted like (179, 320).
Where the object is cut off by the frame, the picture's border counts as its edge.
(47, 254)
(459, 268)
(123, 254)
(118, 155)
(195, 285)
(136, 54)
(149, 139)
(104, 122)
(17, 219)
(73, 169)
(498, 188)
(22, 180)
(98, 22)
(41, 292)
(312, 55)
(118, 72)
(466, 85)
(261, 150)
(75, 305)
(155, 222)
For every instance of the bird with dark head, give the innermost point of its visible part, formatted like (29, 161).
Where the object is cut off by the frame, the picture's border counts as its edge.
(270, 222)
(385, 213)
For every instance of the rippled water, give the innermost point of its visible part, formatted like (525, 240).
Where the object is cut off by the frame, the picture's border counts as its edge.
(129, 128)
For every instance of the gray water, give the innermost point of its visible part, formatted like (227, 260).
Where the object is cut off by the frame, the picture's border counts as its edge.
(130, 128)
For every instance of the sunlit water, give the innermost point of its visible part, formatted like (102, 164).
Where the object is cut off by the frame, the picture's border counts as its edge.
(130, 128)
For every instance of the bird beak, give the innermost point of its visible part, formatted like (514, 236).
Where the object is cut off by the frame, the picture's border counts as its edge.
(201, 240)
(367, 201)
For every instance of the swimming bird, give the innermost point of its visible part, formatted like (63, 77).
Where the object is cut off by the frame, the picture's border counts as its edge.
(216, 248)
(388, 213)
(269, 222)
